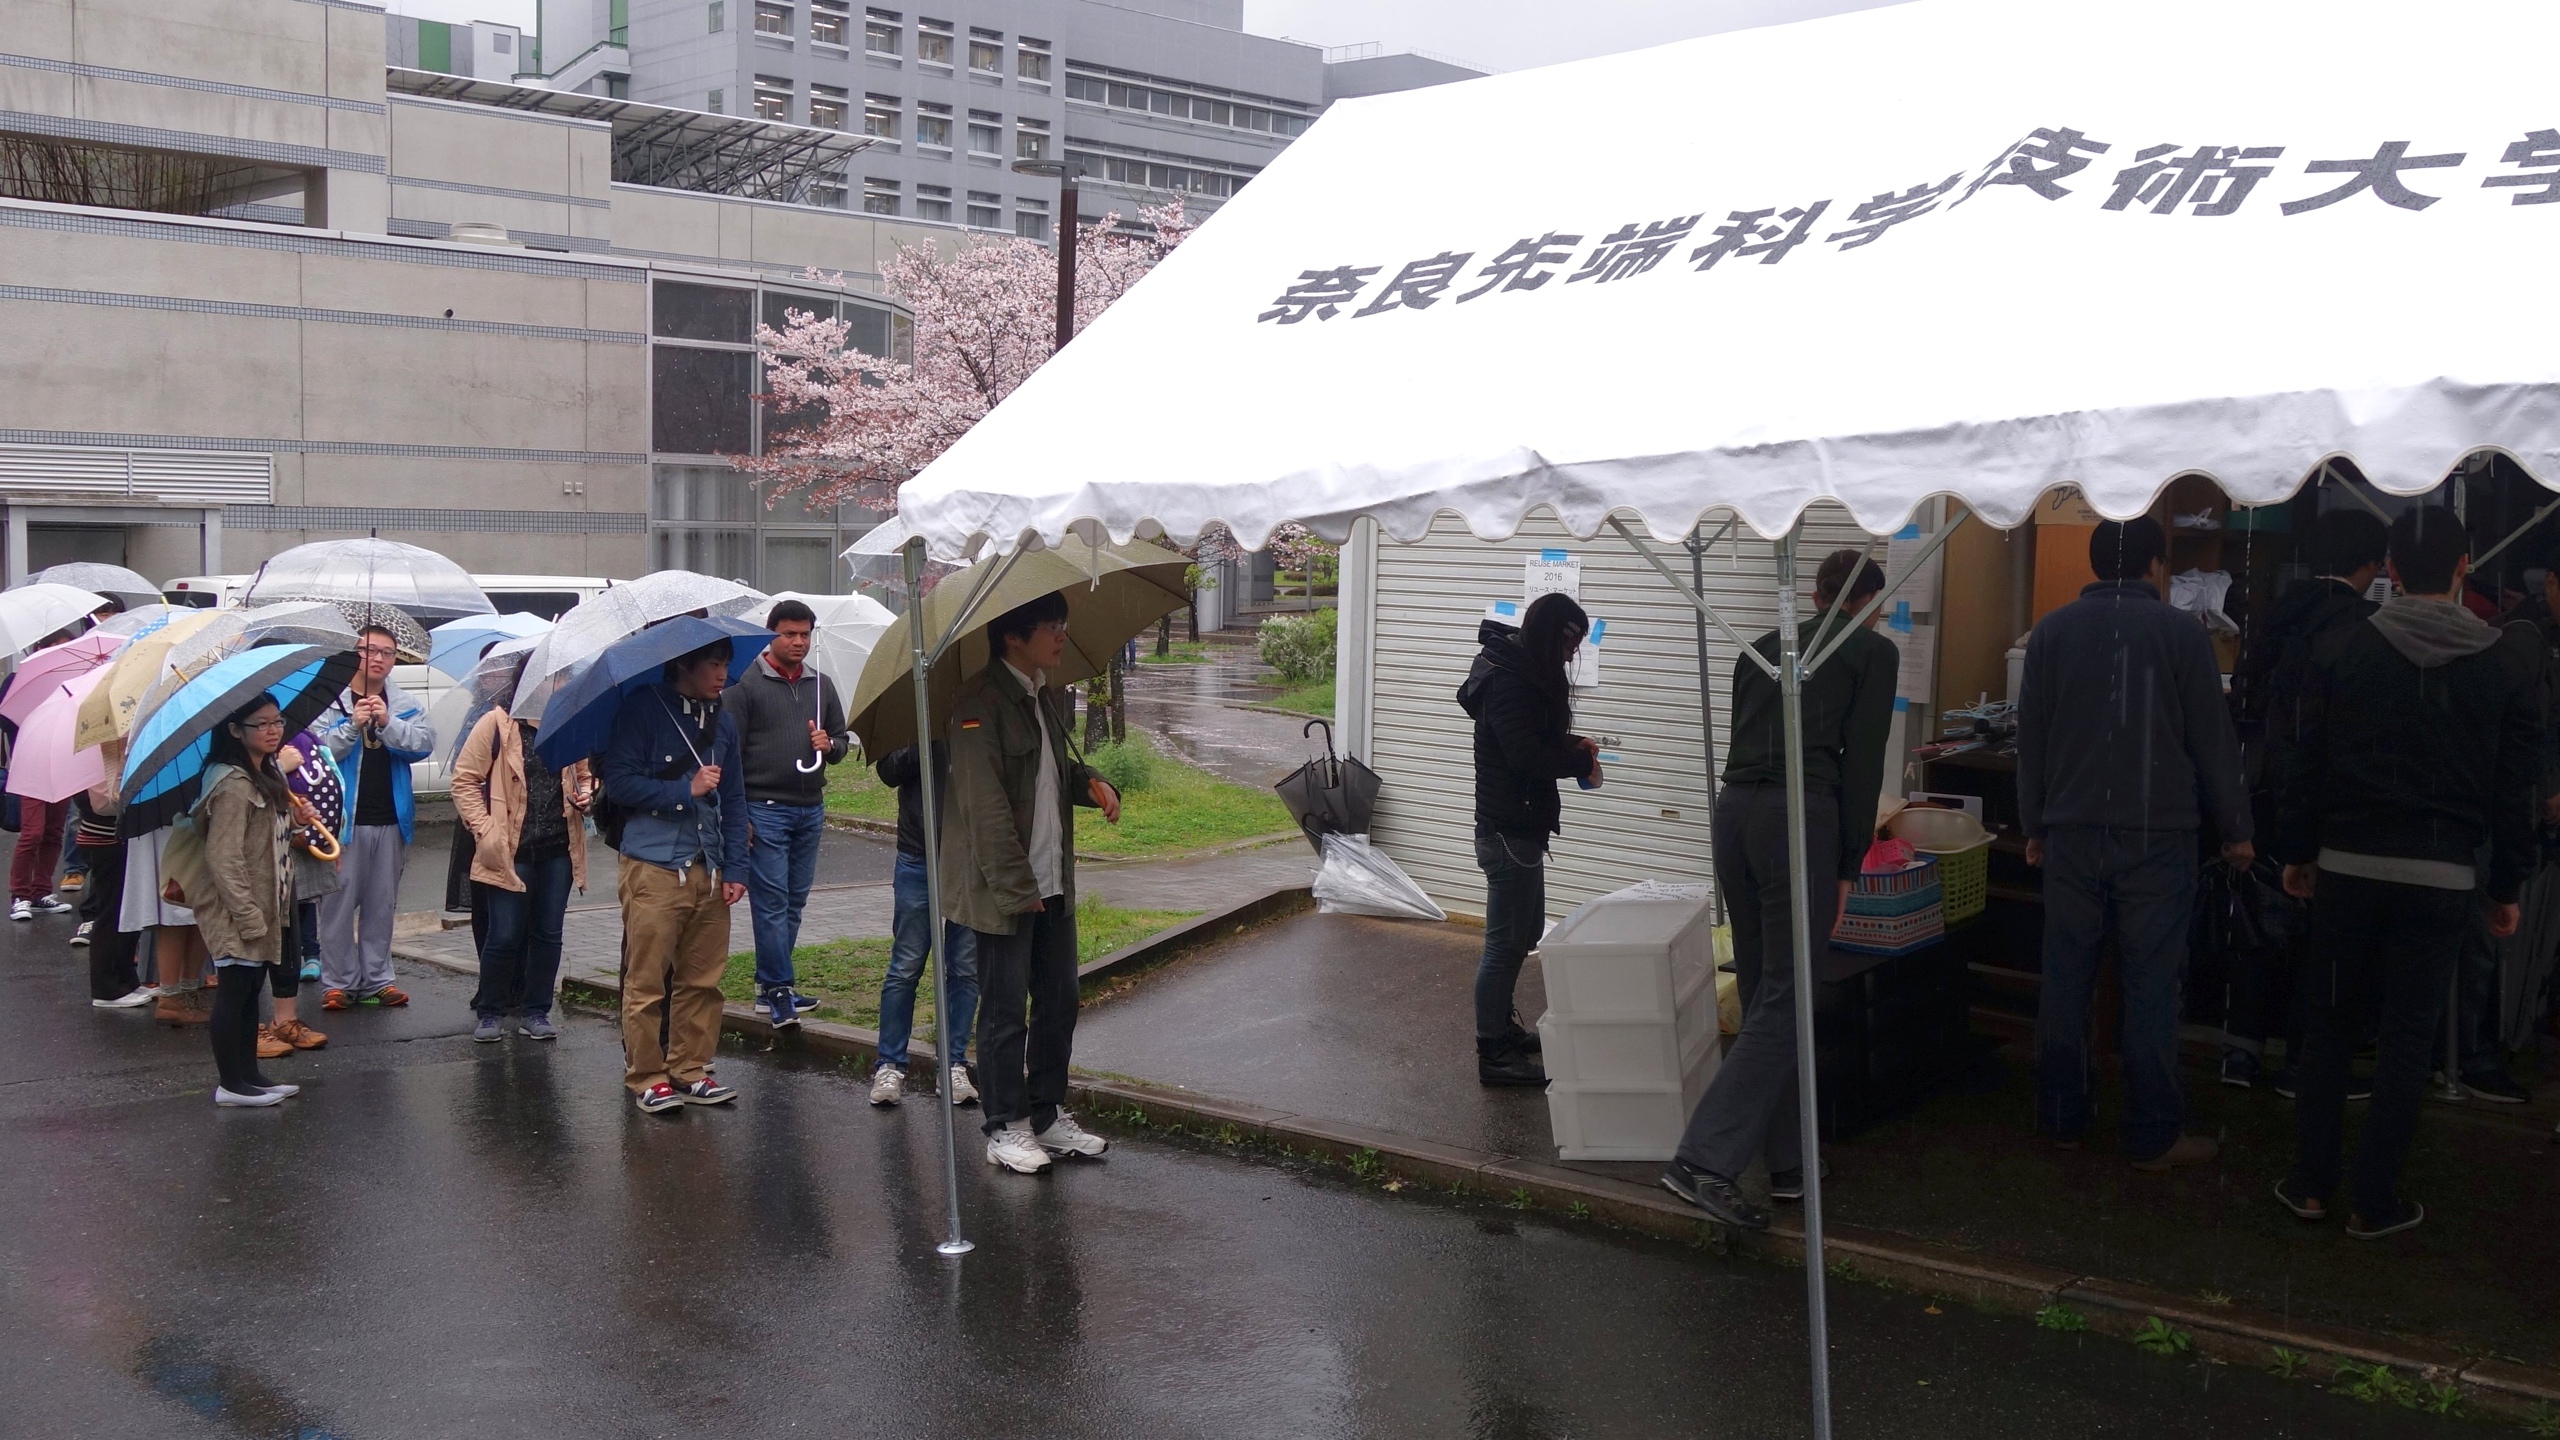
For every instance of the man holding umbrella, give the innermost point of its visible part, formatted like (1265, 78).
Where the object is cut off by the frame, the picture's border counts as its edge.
(376, 731)
(790, 728)
(1008, 844)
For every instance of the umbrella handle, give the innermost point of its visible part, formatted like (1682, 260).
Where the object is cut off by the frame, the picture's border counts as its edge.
(818, 703)
(1311, 727)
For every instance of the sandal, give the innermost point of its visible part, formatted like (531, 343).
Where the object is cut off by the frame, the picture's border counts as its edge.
(337, 1000)
(2306, 1209)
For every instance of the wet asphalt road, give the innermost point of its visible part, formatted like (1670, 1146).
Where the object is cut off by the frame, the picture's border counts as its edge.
(443, 1239)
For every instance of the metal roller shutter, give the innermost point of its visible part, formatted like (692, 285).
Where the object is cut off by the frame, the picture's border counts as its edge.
(1422, 603)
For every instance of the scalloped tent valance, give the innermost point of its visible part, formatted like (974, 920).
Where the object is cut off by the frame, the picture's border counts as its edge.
(1967, 247)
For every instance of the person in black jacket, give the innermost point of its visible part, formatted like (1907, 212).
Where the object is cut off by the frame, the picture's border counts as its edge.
(2418, 746)
(1524, 743)
(2345, 548)
(1749, 1110)
(912, 938)
(2125, 748)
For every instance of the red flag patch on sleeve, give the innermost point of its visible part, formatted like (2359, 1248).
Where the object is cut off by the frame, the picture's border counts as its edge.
(971, 724)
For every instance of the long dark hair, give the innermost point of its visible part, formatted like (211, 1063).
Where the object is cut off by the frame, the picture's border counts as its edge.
(1553, 626)
(230, 749)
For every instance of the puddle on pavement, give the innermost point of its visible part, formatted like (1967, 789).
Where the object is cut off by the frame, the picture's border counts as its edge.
(181, 1371)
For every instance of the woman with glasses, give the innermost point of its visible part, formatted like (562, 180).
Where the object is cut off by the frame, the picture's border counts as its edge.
(248, 907)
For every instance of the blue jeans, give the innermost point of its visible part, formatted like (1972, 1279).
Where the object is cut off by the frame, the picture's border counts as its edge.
(782, 862)
(2142, 885)
(1515, 916)
(520, 958)
(913, 929)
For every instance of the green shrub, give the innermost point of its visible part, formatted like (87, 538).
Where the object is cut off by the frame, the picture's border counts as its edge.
(1300, 647)
(1130, 765)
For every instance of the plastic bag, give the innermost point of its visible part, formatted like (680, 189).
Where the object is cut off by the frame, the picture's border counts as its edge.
(1357, 880)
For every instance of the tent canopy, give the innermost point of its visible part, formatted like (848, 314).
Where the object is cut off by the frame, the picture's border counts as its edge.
(1968, 247)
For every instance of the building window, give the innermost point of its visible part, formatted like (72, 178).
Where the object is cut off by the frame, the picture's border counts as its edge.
(986, 51)
(986, 134)
(866, 328)
(773, 20)
(879, 197)
(773, 98)
(933, 125)
(880, 116)
(933, 42)
(829, 23)
(829, 192)
(1030, 139)
(880, 32)
(1193, 179)
(1031, 219)
(502, 43)
(983, 211)
(702, 402)
(1031, 59)
(718, 99)
(1196, 108)
(719, 16)
(933, 202)
(828, 106)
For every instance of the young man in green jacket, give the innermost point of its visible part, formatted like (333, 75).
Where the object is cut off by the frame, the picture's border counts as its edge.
(1008, 861)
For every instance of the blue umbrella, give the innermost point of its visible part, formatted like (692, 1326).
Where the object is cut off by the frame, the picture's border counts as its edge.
(458, 644)
(166, 760)
(578, 720)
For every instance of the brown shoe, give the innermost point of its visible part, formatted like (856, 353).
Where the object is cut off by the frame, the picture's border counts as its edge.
(185, 1008)
(2189, 1150)
(300, 1036)
(272, 1046)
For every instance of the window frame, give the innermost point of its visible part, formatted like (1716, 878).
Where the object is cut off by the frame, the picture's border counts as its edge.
(936, 113)
(942, 31)
(1025, 51)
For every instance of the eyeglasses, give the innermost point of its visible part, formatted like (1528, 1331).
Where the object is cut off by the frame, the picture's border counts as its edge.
(275, 723)
(1050, 627)
(377, 652)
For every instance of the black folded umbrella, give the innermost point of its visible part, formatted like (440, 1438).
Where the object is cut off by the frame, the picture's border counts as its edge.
(1331, 795)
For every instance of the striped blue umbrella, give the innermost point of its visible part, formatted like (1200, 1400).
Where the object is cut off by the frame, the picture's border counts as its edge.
(165, 764)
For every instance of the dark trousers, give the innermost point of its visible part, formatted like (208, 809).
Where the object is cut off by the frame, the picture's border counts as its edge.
(1022, 1067)
(1749, 1110)
(2266, 1001)
(234, 1029)
(520, 955)
(112, 971)
(1515, 916)
(2382, 961)
(2475, 987)
(2141, 885)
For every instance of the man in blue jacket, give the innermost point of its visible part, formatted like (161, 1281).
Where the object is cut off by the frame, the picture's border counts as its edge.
(672, 766)
(375, 731)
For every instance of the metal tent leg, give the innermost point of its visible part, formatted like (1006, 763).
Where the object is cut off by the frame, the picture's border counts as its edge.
(1791, 693)
(955, 1244)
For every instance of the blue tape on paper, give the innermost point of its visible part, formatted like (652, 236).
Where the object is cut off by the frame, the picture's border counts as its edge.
(1901, 617)
(1900, 704)
(1506, 607)
(1552, 557)
(1599, 632)
(1908, 532)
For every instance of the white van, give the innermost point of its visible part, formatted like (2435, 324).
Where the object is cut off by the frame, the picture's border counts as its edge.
(549, 596)
(205, 592)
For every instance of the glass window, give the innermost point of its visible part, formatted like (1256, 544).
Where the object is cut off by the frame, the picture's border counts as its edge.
(933, 124)
(829, 24)
(983, 209)
(702, 402)
(986, 133)
(726, 553)
(880, 38)
(1159, 102)
(699, 494)
(798, 562)
(779, 303)
(703, 312)
(718, 98)
(933, 202)
(773, 98)
(1030, 139)
(879, 197)
(1031, 59)
(986, 56)
(1079, 88)
(879, 116)
(773, 20)
(933, 42)
(1031, 219)
(827, 106)
(867, 326)
(719, 16)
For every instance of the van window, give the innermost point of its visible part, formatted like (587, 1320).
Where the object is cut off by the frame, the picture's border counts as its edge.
(549, 604)
(194, 599)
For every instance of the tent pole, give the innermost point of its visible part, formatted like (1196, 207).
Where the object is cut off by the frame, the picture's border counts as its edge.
(1698, 544)
(956, 1244)
(1791, 693)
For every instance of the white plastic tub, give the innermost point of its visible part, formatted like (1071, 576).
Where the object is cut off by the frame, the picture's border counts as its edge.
(1631, 954)
(1599, 1120)
(1645, 1051)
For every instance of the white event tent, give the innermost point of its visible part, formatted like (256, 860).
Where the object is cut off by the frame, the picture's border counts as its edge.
(1974, 248)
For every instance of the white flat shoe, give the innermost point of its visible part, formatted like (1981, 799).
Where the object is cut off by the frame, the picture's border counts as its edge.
(143, 995)
(284, 1092)
(229, 1098)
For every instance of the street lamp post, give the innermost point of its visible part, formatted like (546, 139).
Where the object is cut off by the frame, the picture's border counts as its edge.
(1066, 173)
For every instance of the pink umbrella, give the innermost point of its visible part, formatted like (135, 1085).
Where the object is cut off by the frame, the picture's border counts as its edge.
(39, 673)
(44, 766)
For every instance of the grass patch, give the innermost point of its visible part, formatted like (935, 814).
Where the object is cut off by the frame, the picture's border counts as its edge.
(1181, 808)
(844, 975)
(1312, 699)
(1185, 652)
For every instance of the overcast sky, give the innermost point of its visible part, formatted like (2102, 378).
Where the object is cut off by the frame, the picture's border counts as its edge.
(1496, 34)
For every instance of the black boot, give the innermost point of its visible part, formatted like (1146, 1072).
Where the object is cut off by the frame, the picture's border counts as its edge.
(1525, 1038)
(1503, 1062)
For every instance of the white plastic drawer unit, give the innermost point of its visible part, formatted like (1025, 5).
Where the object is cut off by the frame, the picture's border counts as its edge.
(1630, 954)
(1646, 1051)
(1599, 1120)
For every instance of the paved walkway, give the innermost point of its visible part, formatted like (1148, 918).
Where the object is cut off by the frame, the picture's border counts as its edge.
(1197, 712)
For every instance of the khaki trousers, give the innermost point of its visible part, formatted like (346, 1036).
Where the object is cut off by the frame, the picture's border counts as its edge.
(675, 945)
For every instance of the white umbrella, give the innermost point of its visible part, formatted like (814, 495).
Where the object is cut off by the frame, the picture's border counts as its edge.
(849, 627)
(128, 588)
(32, 612)
(625, 609)
(426, 585)
(1976, 248)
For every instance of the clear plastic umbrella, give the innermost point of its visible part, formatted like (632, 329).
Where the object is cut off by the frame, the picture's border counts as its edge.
(142, 620)
(585, 631)
(408, 635)
(421, 582)
(128, 588)
(33, 611)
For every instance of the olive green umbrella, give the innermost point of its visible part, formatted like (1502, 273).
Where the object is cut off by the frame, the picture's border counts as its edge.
(1112, 594)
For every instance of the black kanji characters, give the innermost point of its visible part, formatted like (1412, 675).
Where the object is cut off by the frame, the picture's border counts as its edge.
(1321, 293)
(1419, 284)
(2538, 156)
(2210, 177)
(1632, 249)
(1751, 232)
(2039, 163)
(1524, 265)
(1873, 217)
(2380, 174)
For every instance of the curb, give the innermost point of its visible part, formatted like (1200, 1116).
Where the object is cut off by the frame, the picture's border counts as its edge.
(1130, 961)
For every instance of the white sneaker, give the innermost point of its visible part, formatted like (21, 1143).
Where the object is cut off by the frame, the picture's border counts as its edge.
(1014, 1148)
(888, 1085)
(21, 910)
(1065, 1137)
(962, 1092)
(229, 1098)
(55, 905)
(141, 995)
(80, 937)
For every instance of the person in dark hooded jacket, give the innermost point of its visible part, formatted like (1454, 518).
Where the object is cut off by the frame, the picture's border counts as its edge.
(1523, 710)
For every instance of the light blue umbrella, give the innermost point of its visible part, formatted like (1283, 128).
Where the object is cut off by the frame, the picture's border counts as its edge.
(459, 644)
(170, 747)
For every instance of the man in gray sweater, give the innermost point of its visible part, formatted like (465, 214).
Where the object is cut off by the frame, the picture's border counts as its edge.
(2125, 748)
(790, 728)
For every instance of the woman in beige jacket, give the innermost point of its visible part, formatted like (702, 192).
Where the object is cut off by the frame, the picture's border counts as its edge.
(529, 823)
(249, 903)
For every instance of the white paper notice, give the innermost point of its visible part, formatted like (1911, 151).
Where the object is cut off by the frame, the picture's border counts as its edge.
(1552, 572)
(1922, 591)
(1584, 672)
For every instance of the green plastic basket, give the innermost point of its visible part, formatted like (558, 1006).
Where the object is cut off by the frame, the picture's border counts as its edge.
(1964, 881)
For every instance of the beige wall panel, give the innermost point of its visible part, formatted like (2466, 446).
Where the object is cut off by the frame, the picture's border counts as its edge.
(399, 287)
(667, 222)
(412, 202)
(612, 305)
(165, 552)
(37, 92)
(406, 387)
(117, 265)
(273, 44)
(617, 414)
(481, 147)
(357, 42)
(148, 372)
(362, 133)
(198, 112)
(42, 28)
(355, 202)
(830, 240)
(508, 485)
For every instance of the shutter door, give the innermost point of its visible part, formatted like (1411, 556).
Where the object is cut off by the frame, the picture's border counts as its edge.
(1649, 819)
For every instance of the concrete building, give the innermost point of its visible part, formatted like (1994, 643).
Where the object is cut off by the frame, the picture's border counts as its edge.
(262, 288)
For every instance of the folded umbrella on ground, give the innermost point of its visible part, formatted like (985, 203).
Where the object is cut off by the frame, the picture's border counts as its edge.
(36, 677)
(167, 757)
(43, 765)
(31, 612)
(580, 717)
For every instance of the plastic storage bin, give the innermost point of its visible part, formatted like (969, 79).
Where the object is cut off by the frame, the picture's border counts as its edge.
(1630, 1035)
(1632, 953)
(1625, 1120)
(1647, 1051)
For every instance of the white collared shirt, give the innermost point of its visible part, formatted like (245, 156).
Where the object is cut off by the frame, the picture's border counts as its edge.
(1048, 828)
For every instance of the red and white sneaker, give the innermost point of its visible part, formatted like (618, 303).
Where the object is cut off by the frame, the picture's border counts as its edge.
(661, 1096)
